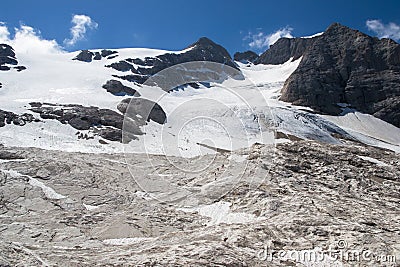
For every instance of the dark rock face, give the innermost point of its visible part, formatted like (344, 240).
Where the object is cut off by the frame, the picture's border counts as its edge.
(245, 57)
(148, 110)
(106, 53)
(347, 66)
(7, 117)
(141, 79)
(117, 88)
(88, 56)
(7, 56)
(284, 49)
(202, 50)
(121, 66)
(97, 56)
(20, 68)
(85, 56)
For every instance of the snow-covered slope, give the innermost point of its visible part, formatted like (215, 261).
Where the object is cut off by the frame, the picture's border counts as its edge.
(228, 115)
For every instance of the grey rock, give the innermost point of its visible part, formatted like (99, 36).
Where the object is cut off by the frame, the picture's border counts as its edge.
(147, 109)
(121, 66)
(285, 49)
(106, 53)
(117, 88)
(85, 56)
(79, 117)
(7, 55)
(20, 68)
(347, 66)
(97, 56)
(103, 122)
(111, 134)
(7, 117)
(245, 57)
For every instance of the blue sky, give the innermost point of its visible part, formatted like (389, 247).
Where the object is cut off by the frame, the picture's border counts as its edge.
(175, 24)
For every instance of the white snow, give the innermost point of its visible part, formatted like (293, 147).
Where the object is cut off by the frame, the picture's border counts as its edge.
(220, 212)
(376, 161)
(48, 191)
(312, 36)
(368, 125)
(90, 207)
(53, 135)
(126, 241)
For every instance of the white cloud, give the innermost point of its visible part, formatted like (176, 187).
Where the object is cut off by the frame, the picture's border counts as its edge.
(4, 33)
(81, 23)
(261, 40)
(26, 40)
(391, 30)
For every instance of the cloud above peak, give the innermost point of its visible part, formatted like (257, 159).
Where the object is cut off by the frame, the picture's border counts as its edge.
(27, 39)
(391, 30)
(81, 24)
(4, 33)
(260, 41)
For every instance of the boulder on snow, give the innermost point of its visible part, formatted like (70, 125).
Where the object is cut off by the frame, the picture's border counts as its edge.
(117, 88)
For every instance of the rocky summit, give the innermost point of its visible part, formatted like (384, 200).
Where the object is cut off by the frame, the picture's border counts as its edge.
(345, 66)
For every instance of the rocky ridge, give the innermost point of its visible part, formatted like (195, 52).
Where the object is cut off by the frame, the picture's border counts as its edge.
(105, 123)
(285, 49)
(246, 57)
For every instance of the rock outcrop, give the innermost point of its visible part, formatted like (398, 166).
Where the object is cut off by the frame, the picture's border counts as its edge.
(285, 49)
(117, 88)
(8, 59)
(8, 117)
(148, 110)
(88, 56)
(103, 122)
(245, 57)
(344, 66)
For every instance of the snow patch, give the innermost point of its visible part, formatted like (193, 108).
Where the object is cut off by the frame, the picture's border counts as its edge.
(377, 162)
(48, 191)
(90, 207)
(220, 212)
(312, 36)
(126, 241)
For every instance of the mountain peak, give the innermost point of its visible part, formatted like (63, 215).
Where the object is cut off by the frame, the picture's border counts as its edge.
(204, 42)
(337, 28)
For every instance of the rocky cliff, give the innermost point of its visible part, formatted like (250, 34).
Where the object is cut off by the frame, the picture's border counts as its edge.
(343, 66)
(285, 49)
